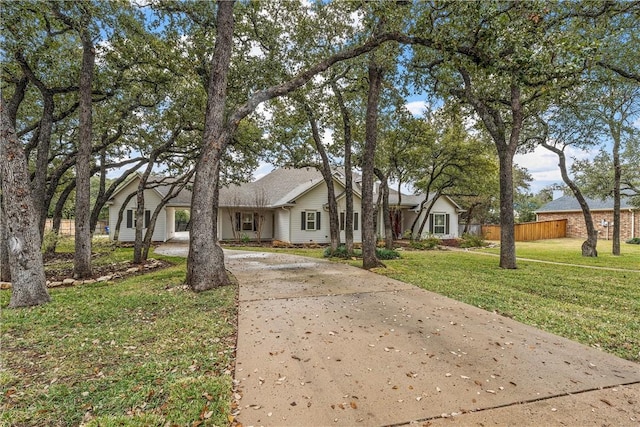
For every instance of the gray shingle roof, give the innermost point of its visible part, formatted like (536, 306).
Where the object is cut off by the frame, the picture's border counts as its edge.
(277, 188)
(570, 204)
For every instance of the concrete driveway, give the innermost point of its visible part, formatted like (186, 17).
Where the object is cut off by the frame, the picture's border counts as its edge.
(321, 343)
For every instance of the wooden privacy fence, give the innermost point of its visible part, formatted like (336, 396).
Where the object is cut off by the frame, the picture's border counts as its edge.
(530, 230)
(68, 227)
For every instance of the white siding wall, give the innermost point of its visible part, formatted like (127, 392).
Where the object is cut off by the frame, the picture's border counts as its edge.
(281, 225)
(442, 206)
(151, 200)
(315, 200)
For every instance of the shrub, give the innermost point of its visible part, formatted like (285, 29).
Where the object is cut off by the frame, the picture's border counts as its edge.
(472, 241)
(383, 253)
(428, 243)
(634, 241)
(50, 241)
(341, 252)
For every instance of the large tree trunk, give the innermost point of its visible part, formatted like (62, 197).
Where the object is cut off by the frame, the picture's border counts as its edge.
(589, 245)
(507, 220)
(616, 189)
(369, 258)
(205, 263)
(82, 258)
(5, 272)
(25, 258)
(506, 147)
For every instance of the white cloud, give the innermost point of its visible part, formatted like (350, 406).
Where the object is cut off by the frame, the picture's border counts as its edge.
(327, 137)
(256, 50)
(542, 164)
(417, 108)
(263, 169)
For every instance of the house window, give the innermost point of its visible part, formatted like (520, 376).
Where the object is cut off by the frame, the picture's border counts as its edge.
(439, 223)
(131, 218)
(310, 220)
(356, 223)
(245, 221)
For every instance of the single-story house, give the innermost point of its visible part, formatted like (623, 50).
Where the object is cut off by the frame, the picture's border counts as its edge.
(287, 204)
(567, 207)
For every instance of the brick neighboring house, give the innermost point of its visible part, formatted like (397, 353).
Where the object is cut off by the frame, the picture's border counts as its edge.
(567, 207)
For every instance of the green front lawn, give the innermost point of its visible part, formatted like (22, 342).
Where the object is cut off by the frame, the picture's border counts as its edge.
(568, 251)
(141, 351)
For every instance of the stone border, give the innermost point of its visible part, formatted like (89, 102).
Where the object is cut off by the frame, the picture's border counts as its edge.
(149, 264)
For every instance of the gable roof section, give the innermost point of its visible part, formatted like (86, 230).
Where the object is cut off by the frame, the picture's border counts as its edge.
(182, 199)
(570, 204)
(275, 189)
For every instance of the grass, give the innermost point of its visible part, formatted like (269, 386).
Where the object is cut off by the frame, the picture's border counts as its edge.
(141, 351)
(568, 251)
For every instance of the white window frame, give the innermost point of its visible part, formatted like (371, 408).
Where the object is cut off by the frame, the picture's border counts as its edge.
(436, 226)
(312, 215)
(247, 221)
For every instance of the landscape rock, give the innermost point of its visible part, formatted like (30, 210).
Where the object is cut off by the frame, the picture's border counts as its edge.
(68, 281)
(54, 284)
(5, 285)
(104, 279)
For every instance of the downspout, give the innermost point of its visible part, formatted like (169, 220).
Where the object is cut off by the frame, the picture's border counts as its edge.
(633, 222)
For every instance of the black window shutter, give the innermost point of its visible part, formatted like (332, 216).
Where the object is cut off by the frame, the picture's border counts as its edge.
(147, 218)
(446, 231)
(341, 220)
(318, 221)
(238, 220)
(355, 221)
(303, 224)
(255, 221)
(129, 218)
(431, 223)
